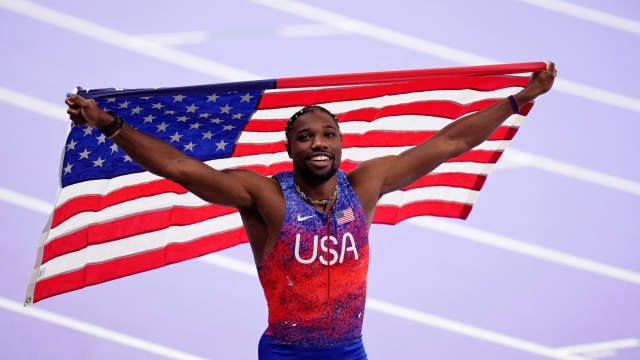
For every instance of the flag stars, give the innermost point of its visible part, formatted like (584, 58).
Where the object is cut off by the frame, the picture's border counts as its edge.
(145, 97)
(158, 106)
(221, 145)
(213, 98)
(216, 121)
(189, 146)
(192, 108)
(182, 118)
(124, 105)
(111, 100)
(237, 116)
(205, 115)
(195, 126)
(162, 127)
(207, 135)
(127, 158)
(114, 148)
(227, 127)
(169, 112)
(72, 145)
(84, 154)
(149, 118)
(175, 137)
(225, 109)
(178, 98)
(67, 169)
(101, 139)
(87, 131)
(98, 163)
(246, 98)
(136, 110)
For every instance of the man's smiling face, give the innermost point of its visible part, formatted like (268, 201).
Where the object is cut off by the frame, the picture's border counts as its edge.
(315, 146)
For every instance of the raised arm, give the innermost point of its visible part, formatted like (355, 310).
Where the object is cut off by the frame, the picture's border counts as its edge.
(231, 188)
(395, 172)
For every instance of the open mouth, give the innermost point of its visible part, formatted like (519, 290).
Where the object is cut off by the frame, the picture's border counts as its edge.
(320, 160)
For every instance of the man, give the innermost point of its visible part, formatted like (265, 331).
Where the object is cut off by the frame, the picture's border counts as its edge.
(308, 229)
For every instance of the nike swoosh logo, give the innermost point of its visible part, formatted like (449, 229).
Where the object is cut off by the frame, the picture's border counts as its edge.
(304, 218)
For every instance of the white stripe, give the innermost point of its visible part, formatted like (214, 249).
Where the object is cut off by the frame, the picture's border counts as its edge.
(463, 97)
(306, 30)
(128, 42)
(600, 346)
(176, 38)
(98, 253)
(585, 13)
(521, 247)
(441, 51)
(96, 331)
(27, 202)
(436, 193)
(33, 104)
(415, 315)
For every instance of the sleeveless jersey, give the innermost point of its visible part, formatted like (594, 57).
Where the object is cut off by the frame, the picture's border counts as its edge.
(314, 279)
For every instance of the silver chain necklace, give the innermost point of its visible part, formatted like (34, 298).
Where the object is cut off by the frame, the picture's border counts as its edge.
(316, 202)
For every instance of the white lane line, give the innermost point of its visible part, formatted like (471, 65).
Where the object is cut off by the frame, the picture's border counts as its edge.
(511, 158)
(414, 315)
(96, 331)
(27, 102)
(503, 242)
(176, 38)
(600, 346)
(25, 201)
(308, 30)
(585, 13)
(122, 40)
(434, 49)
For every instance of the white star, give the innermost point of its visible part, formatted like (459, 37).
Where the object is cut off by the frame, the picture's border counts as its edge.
(170, 112)
(246, 98)
(149, 118)
(216, 120)
(85, 154)
(213, 98)
(145, 97)
(205, 115)
(98, 162)
(225, 109)
(127, 158)
(192, 108)
(136, 110)
(111, 100)
(162, 127)
(124, 105)
(117, 89)
(195, 126)
(189, 146)
(67, 169)
(207, 135)
(178, 98)
(113, 148)
(220, 145)
(237, 116)
(227, 127)
(71, 145)
(157, 106)
(101, 139)
(87, 131)
(182, 118)
(175, 137)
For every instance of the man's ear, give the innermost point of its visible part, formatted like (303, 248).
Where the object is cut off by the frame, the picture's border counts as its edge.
(288, 147)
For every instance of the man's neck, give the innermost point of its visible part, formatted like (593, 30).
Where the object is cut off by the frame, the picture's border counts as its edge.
(316, 190)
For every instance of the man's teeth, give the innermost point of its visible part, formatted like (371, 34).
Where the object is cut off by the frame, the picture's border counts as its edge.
(319, 158)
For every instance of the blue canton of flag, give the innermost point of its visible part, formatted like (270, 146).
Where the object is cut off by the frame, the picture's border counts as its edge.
(204, 125)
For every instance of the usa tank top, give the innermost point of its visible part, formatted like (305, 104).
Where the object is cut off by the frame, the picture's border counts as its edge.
(314, 279)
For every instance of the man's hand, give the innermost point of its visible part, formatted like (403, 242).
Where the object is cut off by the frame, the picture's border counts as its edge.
(539, 83)
(86, 112)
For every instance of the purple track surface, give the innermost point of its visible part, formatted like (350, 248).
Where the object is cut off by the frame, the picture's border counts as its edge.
(546, 267)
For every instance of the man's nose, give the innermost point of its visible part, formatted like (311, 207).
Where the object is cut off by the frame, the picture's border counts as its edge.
(319, 143)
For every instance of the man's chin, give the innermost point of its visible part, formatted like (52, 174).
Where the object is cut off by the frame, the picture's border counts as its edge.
(319, 176)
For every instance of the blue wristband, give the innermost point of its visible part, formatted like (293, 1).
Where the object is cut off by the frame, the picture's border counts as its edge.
(514, 104)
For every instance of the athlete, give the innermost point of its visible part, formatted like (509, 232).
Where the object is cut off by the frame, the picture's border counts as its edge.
(308, 228)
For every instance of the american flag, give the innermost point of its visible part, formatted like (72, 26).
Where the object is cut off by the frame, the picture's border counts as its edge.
(113, 219)
(344, 216)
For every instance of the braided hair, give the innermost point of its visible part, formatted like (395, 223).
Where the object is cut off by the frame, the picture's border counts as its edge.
(304, 110)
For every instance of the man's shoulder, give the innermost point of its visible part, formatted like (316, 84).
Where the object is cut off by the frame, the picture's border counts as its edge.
(255, 180)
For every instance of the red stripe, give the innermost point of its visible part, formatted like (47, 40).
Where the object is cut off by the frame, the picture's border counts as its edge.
(309, 97)
(389, 214)
(408, 75)
(130, 226)
(96, 273)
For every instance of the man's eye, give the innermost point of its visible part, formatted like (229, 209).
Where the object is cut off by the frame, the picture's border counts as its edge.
(303, 137)
(330, 135)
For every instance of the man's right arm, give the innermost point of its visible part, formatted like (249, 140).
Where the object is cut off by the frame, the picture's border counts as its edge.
(228, 188)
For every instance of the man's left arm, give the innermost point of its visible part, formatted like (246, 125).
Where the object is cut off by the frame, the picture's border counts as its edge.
(395, 172)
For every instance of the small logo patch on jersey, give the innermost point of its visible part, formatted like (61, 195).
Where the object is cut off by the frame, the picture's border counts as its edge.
(301, 218)
(344, 216)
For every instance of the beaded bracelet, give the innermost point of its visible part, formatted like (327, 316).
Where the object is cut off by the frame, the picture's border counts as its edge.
(114, 127)
(514, 104)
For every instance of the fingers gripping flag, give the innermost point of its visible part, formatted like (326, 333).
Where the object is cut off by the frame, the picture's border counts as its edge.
(112, 218)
